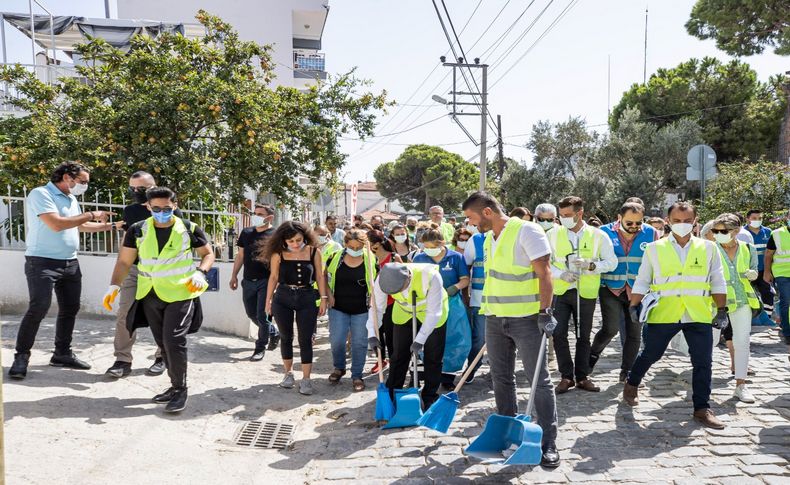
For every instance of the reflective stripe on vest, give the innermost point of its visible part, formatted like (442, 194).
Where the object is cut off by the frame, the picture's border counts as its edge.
(742, 265)
(478, 271)
(421, 275)
(510, 290)
(681, 288)
(627, 264)
(589, 248)
(781, 262)
(167, 272)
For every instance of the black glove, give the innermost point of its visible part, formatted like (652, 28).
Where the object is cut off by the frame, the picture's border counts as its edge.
(374, 343)
(452, 291)
(416, 347)
(633, 312)
(547, 322)
(722, 319)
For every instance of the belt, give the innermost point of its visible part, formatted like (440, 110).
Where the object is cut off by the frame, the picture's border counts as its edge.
(296, 287)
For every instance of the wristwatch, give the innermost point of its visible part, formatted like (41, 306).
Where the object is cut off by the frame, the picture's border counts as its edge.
(203, 271)
(547, 311)
(591, 267)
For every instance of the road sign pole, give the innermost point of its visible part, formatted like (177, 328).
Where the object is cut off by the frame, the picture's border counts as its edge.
(702, 175)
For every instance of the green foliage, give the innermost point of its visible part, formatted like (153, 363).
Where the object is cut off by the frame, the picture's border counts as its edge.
(739, 115)
(198, 114)
(407, 178)
(743, 27)
(744, 185)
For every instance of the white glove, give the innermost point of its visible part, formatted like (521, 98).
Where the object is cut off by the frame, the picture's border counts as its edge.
(197, 282)
(580, 263)
(569, 277)
(109, 297)
(751, 274)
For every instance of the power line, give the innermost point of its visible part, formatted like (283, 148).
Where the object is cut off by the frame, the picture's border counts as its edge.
(399, 132)
(521, 36)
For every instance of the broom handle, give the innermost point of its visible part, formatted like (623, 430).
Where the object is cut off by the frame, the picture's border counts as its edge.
(375, 311)
(413, 337)
(469, 369)
(538, 367)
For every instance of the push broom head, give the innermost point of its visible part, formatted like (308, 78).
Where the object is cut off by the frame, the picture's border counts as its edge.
(441, 413)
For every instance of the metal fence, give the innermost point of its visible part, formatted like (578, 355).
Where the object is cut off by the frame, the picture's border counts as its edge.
(221, 227)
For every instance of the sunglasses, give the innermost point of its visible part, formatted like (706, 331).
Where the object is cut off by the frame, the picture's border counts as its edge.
(166, 210)
(540, 219)
(463, 240)
(720, 231)
(632, 223)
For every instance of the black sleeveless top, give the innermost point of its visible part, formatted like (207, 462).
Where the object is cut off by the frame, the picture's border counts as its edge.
(297, 272)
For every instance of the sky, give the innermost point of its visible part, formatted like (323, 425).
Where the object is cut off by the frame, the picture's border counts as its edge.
(397, 44)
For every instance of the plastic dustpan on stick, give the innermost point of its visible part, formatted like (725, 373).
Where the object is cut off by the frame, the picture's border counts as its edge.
(504, 433)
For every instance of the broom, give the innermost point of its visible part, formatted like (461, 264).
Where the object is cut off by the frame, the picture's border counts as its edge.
(384, 406)
(441, 413)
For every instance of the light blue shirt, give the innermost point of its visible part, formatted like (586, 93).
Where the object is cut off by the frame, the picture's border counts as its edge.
(43, 241)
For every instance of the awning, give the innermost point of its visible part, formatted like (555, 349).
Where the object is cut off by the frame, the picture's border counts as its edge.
(70, 31)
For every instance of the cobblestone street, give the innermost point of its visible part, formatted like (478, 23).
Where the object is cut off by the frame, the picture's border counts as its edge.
(81, 427)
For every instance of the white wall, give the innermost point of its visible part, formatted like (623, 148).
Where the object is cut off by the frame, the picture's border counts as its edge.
(222, 310)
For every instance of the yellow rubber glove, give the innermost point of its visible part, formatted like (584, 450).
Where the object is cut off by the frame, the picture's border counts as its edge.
(109, 297)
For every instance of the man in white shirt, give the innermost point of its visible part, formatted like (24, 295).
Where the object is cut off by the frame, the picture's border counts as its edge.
(335, 232)
(686, 274)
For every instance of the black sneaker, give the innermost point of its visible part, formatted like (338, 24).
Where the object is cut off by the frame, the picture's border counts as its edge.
(165, 396)
(257, 355)
(119, 369)
(18, 369)
(69, 361)
(274, 340)
(157, 368)
(178, 401)
(551, 457)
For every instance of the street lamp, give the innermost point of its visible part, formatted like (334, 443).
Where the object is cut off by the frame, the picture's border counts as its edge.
(439, 99)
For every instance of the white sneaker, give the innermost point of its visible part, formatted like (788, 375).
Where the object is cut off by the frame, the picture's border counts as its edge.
(288, 381)
(743, 394)
(305, 387)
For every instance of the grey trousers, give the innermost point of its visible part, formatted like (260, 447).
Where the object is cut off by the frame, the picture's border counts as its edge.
(504, 337)
(123, 341)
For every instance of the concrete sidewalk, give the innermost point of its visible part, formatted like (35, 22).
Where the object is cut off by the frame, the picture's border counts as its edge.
(65, 426)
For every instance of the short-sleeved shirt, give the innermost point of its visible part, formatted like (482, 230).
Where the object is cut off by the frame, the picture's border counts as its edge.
(452, 266)
(338, 236)
(532, 244)
(252, 240)
(42, 241)
(197, 237)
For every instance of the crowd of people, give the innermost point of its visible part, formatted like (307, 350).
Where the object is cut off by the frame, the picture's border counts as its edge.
(503, 279)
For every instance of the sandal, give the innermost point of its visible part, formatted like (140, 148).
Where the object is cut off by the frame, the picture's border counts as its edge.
(359, 385)
(335, 376)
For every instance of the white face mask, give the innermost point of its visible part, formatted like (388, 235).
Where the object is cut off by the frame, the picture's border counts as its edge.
(723, 238)
(354, 253)
(682, 229)
(400, 238)
(546, 225)
(301, 246)
(323, 239)
(432, 252)
(79, 189)
(257, 220)
(471, 228)
(461, 244)
(756, 224)
(568, 222)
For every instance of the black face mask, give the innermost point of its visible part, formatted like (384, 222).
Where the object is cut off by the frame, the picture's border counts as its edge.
(137, 194)
(411, 227)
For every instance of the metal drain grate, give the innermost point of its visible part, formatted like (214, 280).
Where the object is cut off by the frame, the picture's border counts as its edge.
(259, 434)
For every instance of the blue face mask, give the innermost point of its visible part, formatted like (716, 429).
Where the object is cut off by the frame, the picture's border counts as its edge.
(162, 217)
(355, 253)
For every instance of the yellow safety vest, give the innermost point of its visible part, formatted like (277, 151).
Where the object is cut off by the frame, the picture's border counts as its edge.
(687, 287)
(448, 231)
(510, 290)
(168, 272)
(330, 248)
(367, 260)
(780, 267)
(742, 265)
(421, 274)
(589, 248)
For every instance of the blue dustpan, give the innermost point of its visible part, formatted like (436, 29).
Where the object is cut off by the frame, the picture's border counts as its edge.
(501, 433)
(762, 320)
(408, 409)
(440, 415)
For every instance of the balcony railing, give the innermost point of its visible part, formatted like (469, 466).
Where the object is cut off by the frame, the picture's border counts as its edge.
(309, 62)
(49, 74)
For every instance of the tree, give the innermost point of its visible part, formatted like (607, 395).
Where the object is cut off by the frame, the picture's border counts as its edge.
(743, 185)
(739, 115)
(425, 175)
(198, 113)
(743, 27)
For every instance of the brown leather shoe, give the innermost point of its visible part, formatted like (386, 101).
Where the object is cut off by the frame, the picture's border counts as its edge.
(706, 418)
(588, 385)
(631, 394)
(563, 386)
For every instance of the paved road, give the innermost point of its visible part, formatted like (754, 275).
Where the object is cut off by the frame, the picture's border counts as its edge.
(79, 427)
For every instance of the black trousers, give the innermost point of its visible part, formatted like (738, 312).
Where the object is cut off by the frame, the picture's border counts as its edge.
(764, 290)
(253, 295)
(299, 304)
(400, 361)
(613, 309)
(386, 333)
(170, 323)
(564, 307)
(44, 275)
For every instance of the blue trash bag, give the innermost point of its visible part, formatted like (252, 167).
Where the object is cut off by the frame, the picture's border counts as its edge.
(458, 341)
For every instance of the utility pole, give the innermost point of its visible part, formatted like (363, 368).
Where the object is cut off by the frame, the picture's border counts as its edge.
(501, 148)
(644, 72)
(483, 104)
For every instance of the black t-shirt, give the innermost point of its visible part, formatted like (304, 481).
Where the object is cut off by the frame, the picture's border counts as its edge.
(771, 244)
(197, 237)
(351, 291)
(252, 240)
(134, 213)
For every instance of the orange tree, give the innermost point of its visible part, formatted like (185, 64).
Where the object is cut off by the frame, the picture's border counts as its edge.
(200, 114)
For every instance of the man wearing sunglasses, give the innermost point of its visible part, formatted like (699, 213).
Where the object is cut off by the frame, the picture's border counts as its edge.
(168, 285)
(629, 236)
(546, 215)
(137, 210)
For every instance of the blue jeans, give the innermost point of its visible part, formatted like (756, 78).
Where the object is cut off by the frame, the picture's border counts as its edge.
(253, 294)
(783, 288)
(478, 322)
(699, 337)
(339, 325)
